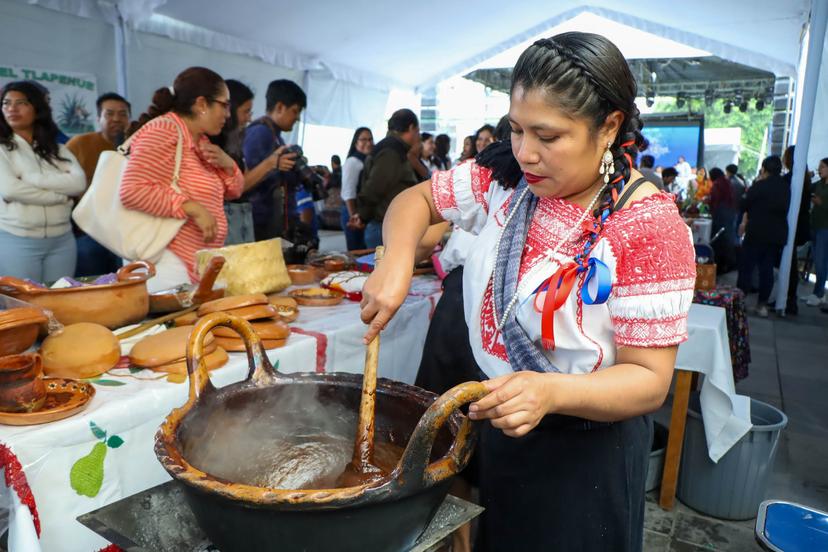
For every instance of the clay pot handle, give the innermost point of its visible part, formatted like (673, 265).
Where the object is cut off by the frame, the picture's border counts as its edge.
(208, 279)
(413, 468)
(260, 367)
(127, 272)
(18, 285)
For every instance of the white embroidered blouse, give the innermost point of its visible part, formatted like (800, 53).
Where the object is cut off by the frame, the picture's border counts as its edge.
(647, 247)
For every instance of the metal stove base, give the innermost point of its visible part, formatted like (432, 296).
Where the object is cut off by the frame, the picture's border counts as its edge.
(159, 520)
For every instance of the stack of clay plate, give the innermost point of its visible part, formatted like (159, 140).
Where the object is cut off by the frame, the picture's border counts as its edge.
(167, 351)
(256, 309)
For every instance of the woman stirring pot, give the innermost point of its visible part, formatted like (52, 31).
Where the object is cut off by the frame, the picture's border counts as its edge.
(576, 297)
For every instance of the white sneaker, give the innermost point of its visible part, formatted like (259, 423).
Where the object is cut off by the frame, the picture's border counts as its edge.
(762, 311)
(813, 301)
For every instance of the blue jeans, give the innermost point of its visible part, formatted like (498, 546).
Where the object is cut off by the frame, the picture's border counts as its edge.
(373, 234)
(239, 223)
(355, 239)
(42, 260)
(95, 259)
(820, 260)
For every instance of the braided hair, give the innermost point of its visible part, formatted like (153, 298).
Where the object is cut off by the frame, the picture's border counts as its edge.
(586, 77)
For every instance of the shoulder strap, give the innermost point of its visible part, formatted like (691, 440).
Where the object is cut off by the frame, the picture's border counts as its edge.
(628, 191)
(123, 149)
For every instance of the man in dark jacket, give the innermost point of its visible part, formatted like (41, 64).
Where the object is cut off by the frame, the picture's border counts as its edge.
(387, 172)
(273, 200)
(765, 228)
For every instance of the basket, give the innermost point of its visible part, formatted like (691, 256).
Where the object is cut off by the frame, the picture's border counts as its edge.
(257, 267)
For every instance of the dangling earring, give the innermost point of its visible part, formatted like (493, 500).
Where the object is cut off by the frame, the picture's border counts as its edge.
(607, 165)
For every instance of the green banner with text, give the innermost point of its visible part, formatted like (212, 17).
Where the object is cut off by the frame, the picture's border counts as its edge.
(71, 95)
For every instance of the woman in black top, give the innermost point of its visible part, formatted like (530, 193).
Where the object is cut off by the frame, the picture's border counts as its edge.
(765, 229)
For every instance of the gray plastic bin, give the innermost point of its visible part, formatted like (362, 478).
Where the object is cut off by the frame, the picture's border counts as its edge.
(734, 487)
(655, 467)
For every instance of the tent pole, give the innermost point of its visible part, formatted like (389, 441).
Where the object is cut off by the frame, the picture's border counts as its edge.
(121, 55)
(816, 41)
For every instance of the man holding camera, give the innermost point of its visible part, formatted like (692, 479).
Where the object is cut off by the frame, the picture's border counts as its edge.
(273, 201)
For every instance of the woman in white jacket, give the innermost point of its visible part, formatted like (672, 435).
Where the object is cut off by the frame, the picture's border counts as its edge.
(38, 179)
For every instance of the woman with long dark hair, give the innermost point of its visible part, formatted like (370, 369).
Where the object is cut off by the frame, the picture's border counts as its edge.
(361, 145)
(197, 107)
(38, 179)
(576, 295)
(469, 149)
(442, 147)
(239, 212)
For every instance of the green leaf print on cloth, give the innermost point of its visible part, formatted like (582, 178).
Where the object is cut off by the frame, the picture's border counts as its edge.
(87, 474)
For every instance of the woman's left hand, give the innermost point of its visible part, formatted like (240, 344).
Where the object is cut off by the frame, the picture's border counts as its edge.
(217, 157)
(516, 402)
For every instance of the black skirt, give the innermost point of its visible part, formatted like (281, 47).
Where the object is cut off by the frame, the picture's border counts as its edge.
(568, 485)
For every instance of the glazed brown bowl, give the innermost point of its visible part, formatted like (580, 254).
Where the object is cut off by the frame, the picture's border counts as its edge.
(389, 514)
(21, 383)
(19, 328)
(112, 305)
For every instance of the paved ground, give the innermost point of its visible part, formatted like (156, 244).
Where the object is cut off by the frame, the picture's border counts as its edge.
(789, 370)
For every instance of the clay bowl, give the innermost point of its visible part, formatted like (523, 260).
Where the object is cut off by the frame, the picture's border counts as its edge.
(317, 297)
(386, 515)
(21, 383)
(19, 328)
(302, 275)
(112, 305)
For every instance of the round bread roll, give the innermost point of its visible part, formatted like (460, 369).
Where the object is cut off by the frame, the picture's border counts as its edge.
(254, 312)
(236, 345)
(82, 350)
(216, 359)
(287, 307)
(165, 347)
(229, 303)
(266, 329)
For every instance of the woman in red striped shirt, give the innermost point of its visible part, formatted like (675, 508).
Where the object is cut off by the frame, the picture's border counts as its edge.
(197, 106)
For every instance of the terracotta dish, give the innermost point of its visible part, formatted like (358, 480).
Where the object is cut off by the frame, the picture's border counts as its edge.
(334, 265)
(80, 351)
(287, 307)
(254, 312)
(236, 345)
(301, 275)
(64, 398)
(270, 329)
(187, 320)
(317, 297)
(163, 348)
(19, 328)
(111, 305)
(21, 383)
(214, 360)
(230, 303)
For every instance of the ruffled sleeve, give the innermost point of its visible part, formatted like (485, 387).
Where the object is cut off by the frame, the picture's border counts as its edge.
(654, 277)
(462, 195)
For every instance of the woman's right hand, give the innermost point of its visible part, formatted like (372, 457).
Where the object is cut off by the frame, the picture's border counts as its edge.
(383, 293)
(203, 219)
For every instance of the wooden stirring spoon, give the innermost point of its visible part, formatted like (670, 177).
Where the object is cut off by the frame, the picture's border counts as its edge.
(362, 469)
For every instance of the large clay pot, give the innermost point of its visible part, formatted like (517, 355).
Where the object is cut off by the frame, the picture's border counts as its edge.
(388, 514)
(111, 305)
(21, 383)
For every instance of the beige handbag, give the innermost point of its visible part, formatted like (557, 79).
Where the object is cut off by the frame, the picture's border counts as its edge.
(257, 267)
(132, 235)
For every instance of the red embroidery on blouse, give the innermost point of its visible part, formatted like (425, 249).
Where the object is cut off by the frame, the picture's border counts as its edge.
(488, 327)
(442, 190)
(645, 332)
(16, 480)
(481, 179)
(651, 245)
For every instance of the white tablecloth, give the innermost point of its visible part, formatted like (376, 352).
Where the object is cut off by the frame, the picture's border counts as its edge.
(707, 350)
(134, 411)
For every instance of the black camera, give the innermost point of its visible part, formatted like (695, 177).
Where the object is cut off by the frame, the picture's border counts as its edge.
(312, 181)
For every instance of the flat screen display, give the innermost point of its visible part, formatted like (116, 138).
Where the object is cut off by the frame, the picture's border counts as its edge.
(671, 139)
